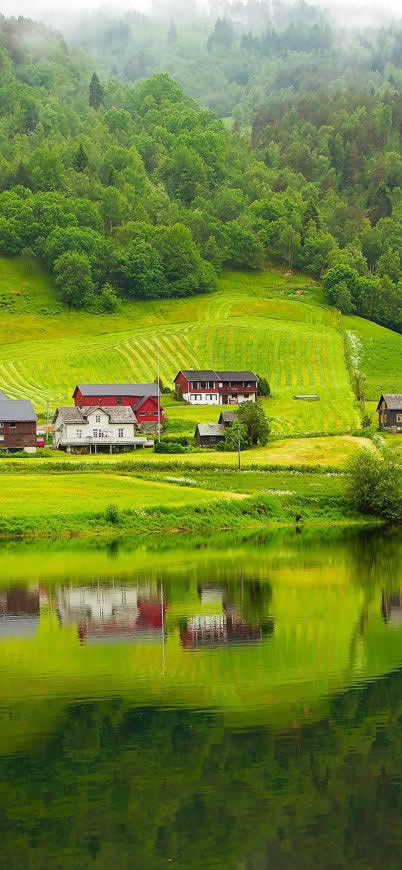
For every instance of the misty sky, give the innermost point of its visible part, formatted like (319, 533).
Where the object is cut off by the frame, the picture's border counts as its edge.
(49, 9)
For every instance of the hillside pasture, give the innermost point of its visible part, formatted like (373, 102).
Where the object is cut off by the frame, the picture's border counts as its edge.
(381, 357)
(251, 321)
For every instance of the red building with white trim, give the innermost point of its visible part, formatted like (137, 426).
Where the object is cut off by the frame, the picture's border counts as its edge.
(142, 398)
(210, 387)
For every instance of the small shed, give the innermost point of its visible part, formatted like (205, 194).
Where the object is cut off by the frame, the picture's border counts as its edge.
(227, 418)
(209, 434)
(389, 410)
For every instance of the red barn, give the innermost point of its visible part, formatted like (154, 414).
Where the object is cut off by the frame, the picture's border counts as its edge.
(142, 398)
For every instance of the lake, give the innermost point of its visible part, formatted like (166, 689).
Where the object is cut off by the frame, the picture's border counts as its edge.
(232, 703)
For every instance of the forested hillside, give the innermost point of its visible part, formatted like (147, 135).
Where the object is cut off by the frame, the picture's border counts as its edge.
(137, 192)
(237, 55)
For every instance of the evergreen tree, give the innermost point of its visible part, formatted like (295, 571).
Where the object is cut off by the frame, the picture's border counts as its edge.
(80, 161)
(96, 93)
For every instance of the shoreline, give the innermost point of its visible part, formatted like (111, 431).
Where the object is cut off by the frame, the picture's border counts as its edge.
(224, 516)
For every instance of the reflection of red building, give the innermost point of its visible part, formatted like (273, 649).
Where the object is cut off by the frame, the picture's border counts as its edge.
(147, 625)
(218, 630)
(115, 614)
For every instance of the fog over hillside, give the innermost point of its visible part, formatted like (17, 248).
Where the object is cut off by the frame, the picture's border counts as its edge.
(58, 11)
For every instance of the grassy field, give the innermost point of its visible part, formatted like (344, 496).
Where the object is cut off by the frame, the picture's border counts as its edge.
(381, 358)
(270, 322)
(327, 452)
(32, 495)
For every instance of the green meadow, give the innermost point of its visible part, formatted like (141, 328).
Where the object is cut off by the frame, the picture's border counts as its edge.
(271, 322)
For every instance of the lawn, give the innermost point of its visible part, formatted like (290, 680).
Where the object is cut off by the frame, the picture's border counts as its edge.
(31, 495)
(271, 322)
(381, 359)
(278, 483)
(329, 452)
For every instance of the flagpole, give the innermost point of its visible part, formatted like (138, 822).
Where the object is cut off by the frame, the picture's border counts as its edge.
(159, 400)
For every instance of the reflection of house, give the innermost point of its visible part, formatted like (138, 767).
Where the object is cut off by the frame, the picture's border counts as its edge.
(392, 608)
(19, 611)
(216, 629)
(107, 614)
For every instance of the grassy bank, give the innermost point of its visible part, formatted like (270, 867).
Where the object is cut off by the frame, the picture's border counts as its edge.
(79, 501)
(243, 513)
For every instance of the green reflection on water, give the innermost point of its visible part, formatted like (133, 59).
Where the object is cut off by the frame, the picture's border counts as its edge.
(234, 703)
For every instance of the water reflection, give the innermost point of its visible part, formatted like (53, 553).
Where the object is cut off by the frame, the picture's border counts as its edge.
(112, 614)
(19, 611)
(232, 706)
(227, 626)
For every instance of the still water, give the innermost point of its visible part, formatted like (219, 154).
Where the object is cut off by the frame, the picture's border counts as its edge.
(233, 704)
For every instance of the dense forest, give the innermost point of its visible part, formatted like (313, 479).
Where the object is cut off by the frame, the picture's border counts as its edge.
(234, 56)
(136, 191)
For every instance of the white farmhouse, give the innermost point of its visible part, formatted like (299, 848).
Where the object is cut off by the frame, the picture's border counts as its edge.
(87, 429)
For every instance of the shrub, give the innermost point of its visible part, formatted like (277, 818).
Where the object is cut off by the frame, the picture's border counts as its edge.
(374, 484)
(169, 447)
(178, 439)
(112, 514)
(366, 420)
(179, 393)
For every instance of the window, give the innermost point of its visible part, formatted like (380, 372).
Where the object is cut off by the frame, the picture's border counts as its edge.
(119, 400)
(97, 418)
(142, 413)
(95, 433)
(79, 433)
(1, 425)
(121, 433)
(12, 425)
(399, 418)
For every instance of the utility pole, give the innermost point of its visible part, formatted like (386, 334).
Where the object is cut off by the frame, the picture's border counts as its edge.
(47, 423)
(159, 400)
(239, 451)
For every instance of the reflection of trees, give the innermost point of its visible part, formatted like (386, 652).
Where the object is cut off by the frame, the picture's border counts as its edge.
(134, 788)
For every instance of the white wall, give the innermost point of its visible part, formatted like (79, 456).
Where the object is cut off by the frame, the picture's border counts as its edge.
(98, 422)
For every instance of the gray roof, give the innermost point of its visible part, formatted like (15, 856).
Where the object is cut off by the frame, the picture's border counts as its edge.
(237, 376)
(198, 374)
(141, 401)
(17, 411)
(118, 389)
(393, 400)
(213, 429)
(228, 416)
(116, 414)
(213, 375)
(3, 397)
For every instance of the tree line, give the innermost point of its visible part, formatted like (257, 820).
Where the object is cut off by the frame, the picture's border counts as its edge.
(138, 192)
